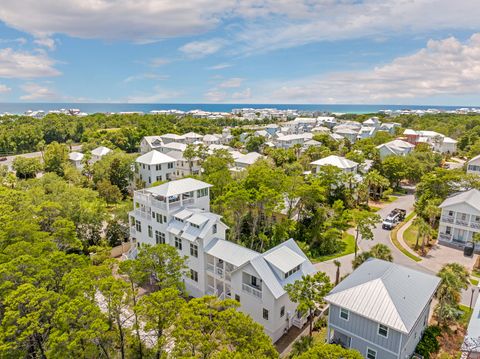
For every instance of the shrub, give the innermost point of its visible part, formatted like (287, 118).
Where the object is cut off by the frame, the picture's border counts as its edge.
(429, 343)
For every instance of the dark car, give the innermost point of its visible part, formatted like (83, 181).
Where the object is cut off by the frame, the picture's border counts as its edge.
(468, 249)
(3, 159)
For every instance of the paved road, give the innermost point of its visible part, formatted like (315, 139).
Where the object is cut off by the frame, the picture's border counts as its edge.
(383, 236)
(10, 159)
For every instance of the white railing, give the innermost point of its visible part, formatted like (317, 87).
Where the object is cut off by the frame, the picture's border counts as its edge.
(445, 236)
(447, 219)
(210, 267)
(475, 225)
(461, 222)
(250, 290)
(142, 214)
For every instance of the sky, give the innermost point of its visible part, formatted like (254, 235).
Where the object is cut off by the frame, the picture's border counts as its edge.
(415, 52)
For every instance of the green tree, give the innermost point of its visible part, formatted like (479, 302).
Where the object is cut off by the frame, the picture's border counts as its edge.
(454, 278)
(158, 311)
(309, 292)
(108, 191)
(330, 351)
(255, 143)
(394, 169)
(55, 156)
(379, 251)
(190, 154)
(364, 222)
(25, 167)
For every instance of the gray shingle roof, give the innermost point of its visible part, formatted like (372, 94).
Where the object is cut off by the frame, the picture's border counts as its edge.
(386, 293)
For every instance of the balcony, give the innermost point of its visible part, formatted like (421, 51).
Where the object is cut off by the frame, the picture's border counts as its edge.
(445, 237)
(142, 214)
(210, 267)
(475, 225)
(461, 222)
(447, 219)
(252, 290)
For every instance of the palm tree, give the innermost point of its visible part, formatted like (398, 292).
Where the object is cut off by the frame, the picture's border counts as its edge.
(375, 181)
(381, 251)
(432, 211)
(338, 264)
(421, 225)
(189, 154)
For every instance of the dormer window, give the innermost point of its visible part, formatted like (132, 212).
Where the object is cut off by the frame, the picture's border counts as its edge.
(195, 225)
(290, 272)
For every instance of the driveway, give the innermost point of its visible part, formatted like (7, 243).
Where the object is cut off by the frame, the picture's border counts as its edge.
(439, 256)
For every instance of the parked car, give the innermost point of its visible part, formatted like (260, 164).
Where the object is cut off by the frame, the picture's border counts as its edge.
(394, 218)
(468, 249)
(3, 159)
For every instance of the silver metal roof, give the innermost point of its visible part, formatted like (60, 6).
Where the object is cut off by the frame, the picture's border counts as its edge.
(386, 293)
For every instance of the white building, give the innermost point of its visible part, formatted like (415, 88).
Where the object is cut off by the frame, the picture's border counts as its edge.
(211, 140)
(437, 141)
(172, 137)
(395, 148)
(473, 166)
(177, 213)
(185, 167)
(149, 143)
(155, 166)
(99, 152)
(289, 141)
(192, 137)
(76, 159)
(344, 164)
(460, 218)
(246, 160)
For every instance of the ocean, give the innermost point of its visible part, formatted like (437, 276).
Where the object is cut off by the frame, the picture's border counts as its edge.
(19, 108)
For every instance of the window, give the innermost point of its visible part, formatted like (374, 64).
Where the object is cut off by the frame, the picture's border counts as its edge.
(290, 272)
(170, 165)
(159, 178)
(202, 192)
(193, 250)
(464, 216)
(214, 228)
(138, 226)
(237, 298)
(344, 313)
(265, 314)
(161, 218)
(159, 237)
(282, 311)
(194, 275)
(158, 167)
(383, 330)
(194, 225)
(254, 281)
(477, 219)
(178, 243)
(371, 354)
(150, 231)
(153, 214)
(450, 213)
(448, 230)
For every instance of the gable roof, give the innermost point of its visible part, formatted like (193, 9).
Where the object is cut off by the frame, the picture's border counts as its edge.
(230, 252)
(284, 259)
(177, 187)
(386, 293)
(101, 151)
(337, 161)
(249, 158)
(75, 156)
(476, 158)
(154, 157)
(471, 197)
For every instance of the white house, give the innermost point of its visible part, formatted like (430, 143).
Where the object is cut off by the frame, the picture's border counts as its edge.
(344, 164)
(211, 140)
(155, 166)
(366, 132)
(192, 137)
(372, 122)
(347, 132)
(395, 148)
(149, 143)
(289, 141)
(460, 218)
(76, 159)
(437, 141)
(172, 137)
(246, 160)
(99, 152)
(381, 309)
(185, 167)
(473, 166)
(178, 213)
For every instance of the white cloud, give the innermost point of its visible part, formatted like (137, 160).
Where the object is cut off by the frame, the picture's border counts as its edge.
(36, 92)
(4, 88)
(158, 94)
(134, 20)
(197, 49)
(443, 68)
(214, 95)
(219, 66)
(47, 42)
(231, 83)
(22, 64)
(146, 76)
(158, 61)
(242, 95)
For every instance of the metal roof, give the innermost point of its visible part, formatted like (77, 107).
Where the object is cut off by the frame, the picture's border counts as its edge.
(177, 187)
(154, 157)
(337, 161)
(100, 151)
(386, 293)
(284, 259)
(230, 252)
(471, 197)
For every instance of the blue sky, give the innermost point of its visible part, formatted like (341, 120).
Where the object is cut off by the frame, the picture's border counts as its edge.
(241, 51)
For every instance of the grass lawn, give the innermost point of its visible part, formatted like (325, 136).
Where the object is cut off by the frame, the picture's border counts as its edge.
(393, 237)
(347, 247)
(374, 209)
(467, 313)
(474, 281)
(410, 236)
(476, 273)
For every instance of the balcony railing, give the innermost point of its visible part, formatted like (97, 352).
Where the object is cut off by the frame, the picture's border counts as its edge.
(447, 219)
(251, 290)
(461, 222)
(445, 236)
(210, 267)
(475, 225)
